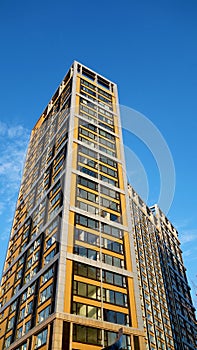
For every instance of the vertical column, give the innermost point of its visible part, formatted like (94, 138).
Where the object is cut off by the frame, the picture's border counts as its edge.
(57, 334)
(65, 215)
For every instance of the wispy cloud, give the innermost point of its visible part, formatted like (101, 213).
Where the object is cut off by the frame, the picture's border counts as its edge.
(1, 207)
(182, 224)
(13, 145)
(188, 236)
(12, 132)
(187, 253)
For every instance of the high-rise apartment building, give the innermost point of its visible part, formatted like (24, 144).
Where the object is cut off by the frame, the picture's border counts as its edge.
(168, 312)
(86, 255)
(70, 277)
(156, 317)
(180, 306)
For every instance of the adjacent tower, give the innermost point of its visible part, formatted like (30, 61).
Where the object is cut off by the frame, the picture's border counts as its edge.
(70, 278)
(180, 306)
(168, 312)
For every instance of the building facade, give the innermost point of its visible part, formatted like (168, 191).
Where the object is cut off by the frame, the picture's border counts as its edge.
(180, 306)
(168, 312)
(70, 276)
(156, 316)
(86, 255)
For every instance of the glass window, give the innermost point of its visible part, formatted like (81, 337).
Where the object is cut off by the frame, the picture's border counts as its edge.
(108, 192)
(111, 260)
(89, 114)
(21, 260)
(79, 309)
(22, 347)
(27, 326)
(33, 272)
(110, 152)
(22, 314)
(111, 230)
(105, 100)
(29, 264)
(10, 323)
(88, 126)
(31, 289)
(87, 195)
(13, 306)
(46, 293)
(107, 126)
(83, 88)
(92, 93)
(85, 221)
(87, 171)
(88, 103)
(87, 133)
(107, 259)
(19, 333)
(108, 277)
(86, 83)
(92, 223)
(19, 274)
(41, 339)
(107, 143)
(121, 299)
(92, 98)
(87, 335)
(81, 289)
(108, 171)
(92, 197)
(88, 237)
(87, 142)
(44, 313)
(93, 272)
(55, 188)
(109, 296)
(106, 113)
(115, 317)
(114, 278)
(110, 338)
(108, 180)
(109, 137)
(50, 241)
(86, 271)
(93, 312)
(109, 204)
(79, 334)
(8, 341)
(93, 292)
(116, 298)
(104, 93)
(87, 183)
(52, 226)
(30, 307)
(86, 252)
(103, 104)
(50, 256)
(47, 275)
(57, 198)
(88, 208)
(86, 290)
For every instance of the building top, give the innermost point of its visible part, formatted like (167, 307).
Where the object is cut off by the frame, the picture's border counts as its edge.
(82, 71)
(154, 212)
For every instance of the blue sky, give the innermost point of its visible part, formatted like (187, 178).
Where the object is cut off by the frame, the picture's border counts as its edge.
(149, 48)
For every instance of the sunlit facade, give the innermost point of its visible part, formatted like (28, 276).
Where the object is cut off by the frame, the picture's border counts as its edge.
(86, 255)
(70, 277)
